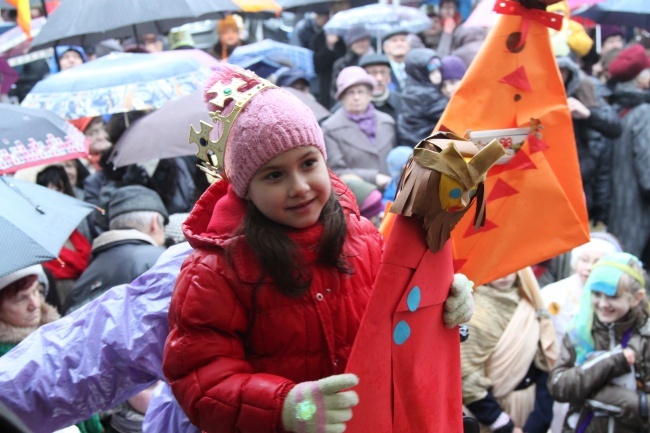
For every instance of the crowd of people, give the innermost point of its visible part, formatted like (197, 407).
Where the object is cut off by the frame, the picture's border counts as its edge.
(134, 329)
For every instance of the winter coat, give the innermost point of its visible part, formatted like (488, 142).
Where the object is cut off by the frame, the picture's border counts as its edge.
(588, 387)
(114, 343)
(422, 102)
(593, 140)
(324, 60)
(11, 335)
(629, 214)
(118, 257)
(230, 366)
(350, 152)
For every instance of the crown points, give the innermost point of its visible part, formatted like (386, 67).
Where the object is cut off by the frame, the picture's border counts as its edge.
(223, 92)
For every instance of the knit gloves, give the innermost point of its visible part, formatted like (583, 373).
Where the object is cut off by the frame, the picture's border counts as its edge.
(321, 406)
(459, 306)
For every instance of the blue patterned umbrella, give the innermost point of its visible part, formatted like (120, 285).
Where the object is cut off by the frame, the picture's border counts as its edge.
(379, 19)
(34, 223)
(634, 13)
(269, 55)
(118, 83)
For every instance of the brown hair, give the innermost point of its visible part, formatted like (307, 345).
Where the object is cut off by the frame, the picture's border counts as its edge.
(10, 290)
(279, 256)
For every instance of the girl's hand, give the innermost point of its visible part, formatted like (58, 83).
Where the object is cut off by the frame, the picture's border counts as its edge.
(459, 306)
(321, 406)
(630, 356)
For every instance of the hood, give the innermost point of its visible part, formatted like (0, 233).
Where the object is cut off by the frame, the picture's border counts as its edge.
(416, 63)
(464, 35)
(574, 74)
(54, 66)
(627, 95)
(218, 214)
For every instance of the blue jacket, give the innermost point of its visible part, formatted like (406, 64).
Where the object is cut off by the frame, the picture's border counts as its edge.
(120, 337)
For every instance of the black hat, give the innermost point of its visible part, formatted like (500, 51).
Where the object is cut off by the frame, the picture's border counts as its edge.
(394, 33)
(134, 198)
(373, 59)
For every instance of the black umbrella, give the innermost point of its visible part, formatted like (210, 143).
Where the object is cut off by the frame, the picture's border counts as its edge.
(87, 22)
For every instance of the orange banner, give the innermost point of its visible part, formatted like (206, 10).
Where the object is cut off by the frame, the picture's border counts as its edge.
(535, 202)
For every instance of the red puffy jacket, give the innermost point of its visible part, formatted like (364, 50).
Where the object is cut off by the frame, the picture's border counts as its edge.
(231, 375)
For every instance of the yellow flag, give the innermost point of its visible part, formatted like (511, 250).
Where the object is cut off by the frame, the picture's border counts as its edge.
(24, 15)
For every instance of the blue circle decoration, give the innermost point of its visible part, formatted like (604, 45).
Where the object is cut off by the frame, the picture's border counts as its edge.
(456, 193)
(203, 141)
(413, 299)
(401, 333)
(472, 192)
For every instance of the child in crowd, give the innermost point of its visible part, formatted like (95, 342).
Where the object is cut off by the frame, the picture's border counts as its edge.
(506, 360)
(602, 370)
(267, 306)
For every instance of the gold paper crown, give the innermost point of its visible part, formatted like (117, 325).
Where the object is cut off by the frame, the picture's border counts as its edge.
(211, 152)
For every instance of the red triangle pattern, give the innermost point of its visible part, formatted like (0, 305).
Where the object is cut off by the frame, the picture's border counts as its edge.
(501, 189)
(517, 79)
(521, 161)
(489, 225)
(536, 144)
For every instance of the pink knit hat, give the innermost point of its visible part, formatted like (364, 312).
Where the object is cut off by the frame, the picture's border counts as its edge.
(272, 122)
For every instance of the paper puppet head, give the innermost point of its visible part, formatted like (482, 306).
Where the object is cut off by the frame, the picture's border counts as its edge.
(441, 181)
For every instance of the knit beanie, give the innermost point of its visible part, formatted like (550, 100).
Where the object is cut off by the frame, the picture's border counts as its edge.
(272, 122)
(609, 30)
(629, 63)
(355, 34)
(452, 68)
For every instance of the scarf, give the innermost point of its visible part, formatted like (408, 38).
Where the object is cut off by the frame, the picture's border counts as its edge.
(71, 263)
(367, 122)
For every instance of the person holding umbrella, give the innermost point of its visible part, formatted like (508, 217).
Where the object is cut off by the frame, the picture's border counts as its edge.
(229, 38)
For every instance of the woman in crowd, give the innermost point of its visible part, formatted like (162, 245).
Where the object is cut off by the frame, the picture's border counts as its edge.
(358, 138)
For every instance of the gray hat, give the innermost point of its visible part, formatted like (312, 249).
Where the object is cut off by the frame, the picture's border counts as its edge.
(394, 32)
(373, 59)
(134, 198)
(355, 34)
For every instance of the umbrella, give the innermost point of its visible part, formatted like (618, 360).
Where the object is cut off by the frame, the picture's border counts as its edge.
(117, 83)
(319, 111)
(30, 137)
(14, 41)
(34, 223)
(8, 76)
(163, 133)
(258, 6)
(200, 56)
(306, 4)
(272, 53)
(84, 22)
(379, 19)
(634, 13)
(574, 4)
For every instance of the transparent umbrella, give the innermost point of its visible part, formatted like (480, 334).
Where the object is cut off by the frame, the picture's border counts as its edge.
(379, 19)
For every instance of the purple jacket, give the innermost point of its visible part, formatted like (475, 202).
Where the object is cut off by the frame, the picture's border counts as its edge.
(99, 356)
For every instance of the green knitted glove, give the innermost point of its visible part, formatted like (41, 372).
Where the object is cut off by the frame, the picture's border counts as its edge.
(321, 406)
(459, 306)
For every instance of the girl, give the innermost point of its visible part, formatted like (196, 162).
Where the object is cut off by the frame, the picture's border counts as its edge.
(505, 361)
(603, 366)
(272, 296)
